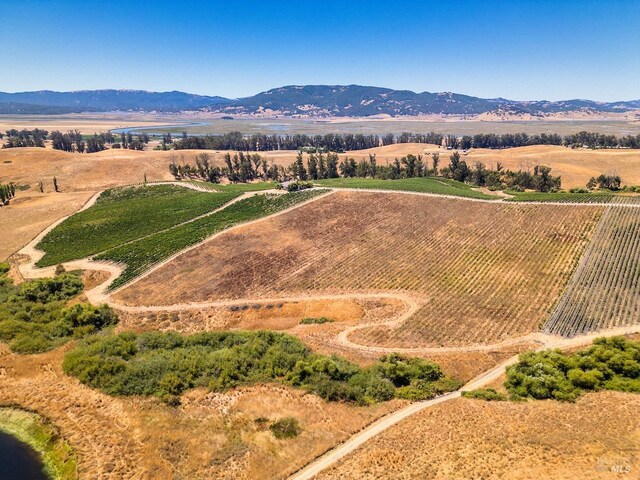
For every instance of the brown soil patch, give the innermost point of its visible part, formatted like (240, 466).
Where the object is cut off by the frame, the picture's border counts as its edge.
(475, 439)
(483, 272)
(250, 316)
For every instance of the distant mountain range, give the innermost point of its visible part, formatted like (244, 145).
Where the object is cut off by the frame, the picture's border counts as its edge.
(299, 101)
(48, 101)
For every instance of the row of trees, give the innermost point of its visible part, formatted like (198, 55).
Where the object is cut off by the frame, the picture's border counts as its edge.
(608, 181)
(345, 142)
(7, 192)
(329, 142)
(241, 167)
(509, 140)
(256, 142)
(24, 138)
(245, 167)
(74, 141)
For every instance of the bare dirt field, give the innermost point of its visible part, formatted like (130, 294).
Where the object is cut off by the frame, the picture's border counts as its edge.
(211, 435)
(31, 212)
(86, 123)
(593, 438)
(481, 272)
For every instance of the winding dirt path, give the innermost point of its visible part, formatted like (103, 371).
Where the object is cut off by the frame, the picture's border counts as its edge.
(334, 455)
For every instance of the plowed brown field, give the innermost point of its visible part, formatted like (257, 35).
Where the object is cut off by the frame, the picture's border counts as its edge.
(482, 272)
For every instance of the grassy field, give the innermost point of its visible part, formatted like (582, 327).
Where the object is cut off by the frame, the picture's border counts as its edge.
(139, 255)
(605, 291)
(123, 215)
(482, 271)
(441, 186)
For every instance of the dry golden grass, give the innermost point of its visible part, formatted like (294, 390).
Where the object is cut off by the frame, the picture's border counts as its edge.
(575, 166)
(119, 167)
(211, 435)
(534, 440)
(483, 272)
(251, 316)
(31, 212)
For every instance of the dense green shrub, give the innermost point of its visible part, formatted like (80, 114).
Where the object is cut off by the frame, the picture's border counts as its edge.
(609, 364)
(167, 364)
(488, 394)
(287, 427)
(34, 316)
(315, 320)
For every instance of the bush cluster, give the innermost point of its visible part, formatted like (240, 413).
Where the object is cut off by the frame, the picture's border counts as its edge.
(35, 317)
(487, 394)
(609, 364)
(315, 320)
(167, 364)
(287, 427)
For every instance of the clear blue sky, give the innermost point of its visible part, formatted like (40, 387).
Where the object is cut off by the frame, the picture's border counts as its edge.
(516, 49)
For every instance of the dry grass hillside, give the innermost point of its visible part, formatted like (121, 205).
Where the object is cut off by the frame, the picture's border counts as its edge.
(31, 212)
(211, 435)
(463, 439)
(117, 167)
(575, 166)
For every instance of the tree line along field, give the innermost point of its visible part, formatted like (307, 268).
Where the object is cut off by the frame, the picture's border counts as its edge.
(605, 290)
(482, 271)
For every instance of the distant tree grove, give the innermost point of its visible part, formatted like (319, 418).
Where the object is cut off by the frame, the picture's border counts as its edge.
(345, 142)
(72, 140)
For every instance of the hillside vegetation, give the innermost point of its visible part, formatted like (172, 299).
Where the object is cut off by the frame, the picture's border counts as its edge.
(610, 364)
(167, 364)
(35, 316)
(124, 214)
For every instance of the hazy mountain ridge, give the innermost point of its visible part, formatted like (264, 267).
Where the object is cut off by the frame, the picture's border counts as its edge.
(113, 100)
(301, 100)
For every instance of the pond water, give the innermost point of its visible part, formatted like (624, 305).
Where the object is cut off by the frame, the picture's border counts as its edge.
(19, 461)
